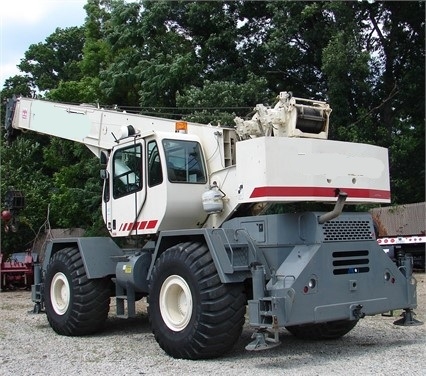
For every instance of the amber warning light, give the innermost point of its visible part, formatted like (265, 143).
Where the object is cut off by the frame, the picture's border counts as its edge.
(181, 127)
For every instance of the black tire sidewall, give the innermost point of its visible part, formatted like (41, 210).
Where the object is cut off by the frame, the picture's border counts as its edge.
(165, 270)
(57, 266)
(218, 309)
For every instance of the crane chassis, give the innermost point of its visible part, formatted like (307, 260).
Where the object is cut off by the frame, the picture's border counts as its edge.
(198, 195)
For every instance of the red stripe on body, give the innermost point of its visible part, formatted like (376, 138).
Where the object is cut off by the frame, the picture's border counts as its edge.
(318, 192)
(142, 225)
(135, 226)
(151, 224)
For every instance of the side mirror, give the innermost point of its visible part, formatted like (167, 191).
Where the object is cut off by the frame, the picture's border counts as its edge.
(104, 174)
(104, 158)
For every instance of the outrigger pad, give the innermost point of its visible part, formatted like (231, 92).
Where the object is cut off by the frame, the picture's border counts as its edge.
(263, 342)
(408, 319)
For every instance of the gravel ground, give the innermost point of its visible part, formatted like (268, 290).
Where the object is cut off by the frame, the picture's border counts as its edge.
(28, 346)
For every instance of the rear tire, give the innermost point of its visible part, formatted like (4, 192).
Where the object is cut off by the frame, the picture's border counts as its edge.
(75, 305)
(192, 314)
(325, 330)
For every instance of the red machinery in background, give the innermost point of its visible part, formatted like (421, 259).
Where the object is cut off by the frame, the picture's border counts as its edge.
(17, 269)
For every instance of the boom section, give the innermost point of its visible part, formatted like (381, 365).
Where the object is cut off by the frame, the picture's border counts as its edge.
(101, 129)
(281, 155)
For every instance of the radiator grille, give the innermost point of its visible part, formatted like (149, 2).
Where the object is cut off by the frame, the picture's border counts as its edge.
(351, 262)
(347, 230)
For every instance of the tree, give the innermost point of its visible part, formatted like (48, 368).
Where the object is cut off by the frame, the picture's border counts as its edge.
(198, 49)
(401, 50)
(56, 59)
(375, 80)
(219, 102)
(149, 64)
(13, 87)
(298, 33)
(20, 170)
(17, 85)
(210, 61)
(75, 196)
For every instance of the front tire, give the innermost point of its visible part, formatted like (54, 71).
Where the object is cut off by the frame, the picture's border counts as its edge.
(192, 314)
(75, 305)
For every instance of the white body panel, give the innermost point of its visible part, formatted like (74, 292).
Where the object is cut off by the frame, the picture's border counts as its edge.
(295, 169)
(285, 170)
(256, 170)
(95, 127)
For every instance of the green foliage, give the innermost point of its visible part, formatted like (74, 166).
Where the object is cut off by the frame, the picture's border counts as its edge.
(19, 170)
(298, 33)
(348, 78)
(87, 90)
(56, 59)
(17, 85)
(407, 163)
(164, 76)
(209, 61)
(14, 86)
(220, 101)
(76, 199)
(56, 176)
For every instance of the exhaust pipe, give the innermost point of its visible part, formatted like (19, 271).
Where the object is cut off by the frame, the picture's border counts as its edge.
(336, 211)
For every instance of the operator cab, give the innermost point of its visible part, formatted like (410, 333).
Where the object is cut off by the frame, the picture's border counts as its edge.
(154, 182)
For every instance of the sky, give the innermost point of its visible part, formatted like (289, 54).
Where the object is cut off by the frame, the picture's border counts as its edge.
(26, 22)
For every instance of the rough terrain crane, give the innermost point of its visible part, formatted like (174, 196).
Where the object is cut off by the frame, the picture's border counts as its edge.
(199, 195)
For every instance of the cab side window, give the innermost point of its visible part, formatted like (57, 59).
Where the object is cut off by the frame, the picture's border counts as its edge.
(127, 171)
(155, 172)
(185, 163)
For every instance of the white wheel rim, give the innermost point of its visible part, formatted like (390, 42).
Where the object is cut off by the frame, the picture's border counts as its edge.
(60, 293)
(176, 303)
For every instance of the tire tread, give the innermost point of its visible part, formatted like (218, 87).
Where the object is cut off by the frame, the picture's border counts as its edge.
(221, 320)
(90, 297)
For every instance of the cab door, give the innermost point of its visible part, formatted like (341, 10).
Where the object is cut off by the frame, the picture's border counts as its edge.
(125, 188)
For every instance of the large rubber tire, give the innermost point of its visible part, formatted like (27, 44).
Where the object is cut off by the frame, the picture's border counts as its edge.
(192, 314)
(326, 330)
(75, 305)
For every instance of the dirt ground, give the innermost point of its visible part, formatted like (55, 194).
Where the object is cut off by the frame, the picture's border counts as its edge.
(28, 346)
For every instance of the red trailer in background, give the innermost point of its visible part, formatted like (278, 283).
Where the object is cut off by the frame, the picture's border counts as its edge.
(17, 270)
